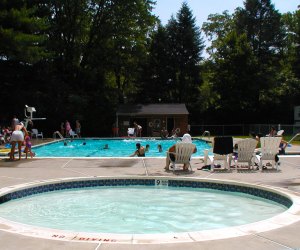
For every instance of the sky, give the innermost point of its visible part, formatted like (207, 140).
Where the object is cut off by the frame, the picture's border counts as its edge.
(202, 8)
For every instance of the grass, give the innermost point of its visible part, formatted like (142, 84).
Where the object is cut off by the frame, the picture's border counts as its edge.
(296, 141)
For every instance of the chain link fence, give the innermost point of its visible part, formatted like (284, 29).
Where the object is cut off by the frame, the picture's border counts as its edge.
(242, 129)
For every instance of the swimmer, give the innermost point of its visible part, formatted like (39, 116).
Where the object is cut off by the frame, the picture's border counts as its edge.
(147, 148)
(84, 143)
(105, 146)
(159, 147)
(65, 143)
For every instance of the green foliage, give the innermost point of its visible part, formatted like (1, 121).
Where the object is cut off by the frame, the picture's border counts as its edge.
(22, 37)
(173, 66)
(78, 59)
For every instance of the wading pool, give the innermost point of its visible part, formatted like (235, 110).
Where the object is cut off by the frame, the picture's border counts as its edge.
(138, 206)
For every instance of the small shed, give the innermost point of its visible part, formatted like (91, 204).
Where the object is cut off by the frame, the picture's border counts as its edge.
(153, 118)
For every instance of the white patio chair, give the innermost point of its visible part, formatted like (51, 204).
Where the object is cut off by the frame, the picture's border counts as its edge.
(130, 132)
(269, 149)
(72, 134)
(280, 132)
(245, 152)
(35, 133)
(183, 153)
(222, 149)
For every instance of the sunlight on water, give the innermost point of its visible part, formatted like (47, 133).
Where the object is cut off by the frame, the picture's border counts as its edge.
(139, 209)
(116, 148)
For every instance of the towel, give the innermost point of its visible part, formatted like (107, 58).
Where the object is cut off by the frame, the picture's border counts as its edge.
(223, 145)
(186, 138)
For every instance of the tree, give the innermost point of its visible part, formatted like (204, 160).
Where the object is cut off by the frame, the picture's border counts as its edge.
(291, 23)
(154, 81)
(22, 45)
(235, 70)
(262, 25)
(185, 49)
(22, 32)
(217, 27)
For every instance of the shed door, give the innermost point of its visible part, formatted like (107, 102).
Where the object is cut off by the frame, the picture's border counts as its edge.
(170, 124)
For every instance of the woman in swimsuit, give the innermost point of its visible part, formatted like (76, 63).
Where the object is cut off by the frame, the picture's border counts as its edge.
(140, 151)
(17, 137)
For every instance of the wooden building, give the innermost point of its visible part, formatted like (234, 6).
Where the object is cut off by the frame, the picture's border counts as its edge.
(153, 118)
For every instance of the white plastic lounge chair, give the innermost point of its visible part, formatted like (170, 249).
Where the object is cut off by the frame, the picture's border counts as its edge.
(280, 132)
(183, 153)
(222, 149)
(130, 132)
(35, 133)
(72, 134)
(269, 149)
(245, 152)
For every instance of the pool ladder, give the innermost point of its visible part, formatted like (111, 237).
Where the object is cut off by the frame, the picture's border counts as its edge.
(294, 137)
(206, 133)
(59, 134)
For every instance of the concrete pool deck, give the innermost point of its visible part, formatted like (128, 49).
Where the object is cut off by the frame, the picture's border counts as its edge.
(24, 171)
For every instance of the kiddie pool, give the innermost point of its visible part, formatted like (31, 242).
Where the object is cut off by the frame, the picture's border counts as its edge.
(280, 197)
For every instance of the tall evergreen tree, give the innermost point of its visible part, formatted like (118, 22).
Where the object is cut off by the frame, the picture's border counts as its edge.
(22, 32)
(22, 45)
(154, 81)
(261, 22)
(185, 49)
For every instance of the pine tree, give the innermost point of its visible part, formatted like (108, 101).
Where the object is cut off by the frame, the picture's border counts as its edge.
(185, 49)
(22, 32)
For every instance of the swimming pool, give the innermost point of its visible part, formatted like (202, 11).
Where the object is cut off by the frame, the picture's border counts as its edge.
(144, 207)
(116, 147)
(125, 210)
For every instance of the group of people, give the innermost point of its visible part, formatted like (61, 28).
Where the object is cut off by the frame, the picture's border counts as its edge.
(66, 129)
(5, 133)
(165, 134)
(272, 133)
(141, 150)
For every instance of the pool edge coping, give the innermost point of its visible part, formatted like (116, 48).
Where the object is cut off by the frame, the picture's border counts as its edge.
(290, 216)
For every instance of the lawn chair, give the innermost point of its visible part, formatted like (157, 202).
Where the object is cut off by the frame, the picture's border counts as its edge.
(72, 134)
(222, 149)
(183, 153)
(35, 133)
(131, 132)
(269, 150)
(280, 132)
(245, 152)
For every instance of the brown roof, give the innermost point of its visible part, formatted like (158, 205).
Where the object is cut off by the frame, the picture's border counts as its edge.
(152, 109)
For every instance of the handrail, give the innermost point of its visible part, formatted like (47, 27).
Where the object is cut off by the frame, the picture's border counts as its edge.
(59, 134)
(207, 133)
(294, 137)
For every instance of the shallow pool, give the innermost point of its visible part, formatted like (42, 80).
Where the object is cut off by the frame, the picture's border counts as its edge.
(116, 147)
(139, 209)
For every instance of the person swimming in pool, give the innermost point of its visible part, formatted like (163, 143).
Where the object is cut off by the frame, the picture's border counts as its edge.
(140, 151)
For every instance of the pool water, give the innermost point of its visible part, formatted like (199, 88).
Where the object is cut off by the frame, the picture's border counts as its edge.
(116, 148)
(139, 209)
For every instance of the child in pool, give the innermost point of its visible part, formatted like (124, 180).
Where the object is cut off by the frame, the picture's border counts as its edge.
(159, 147)
(28, 147)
